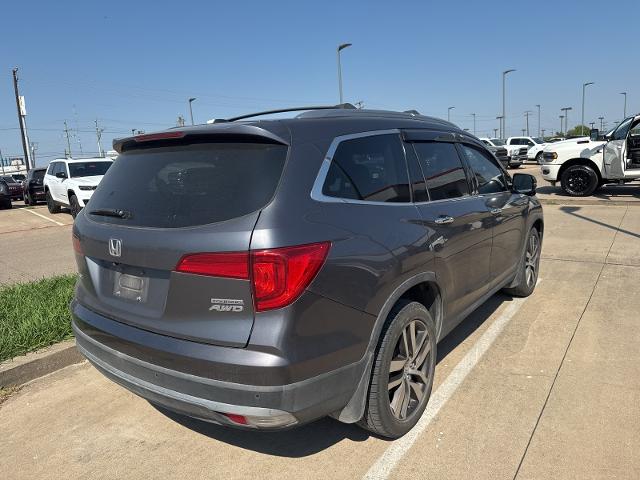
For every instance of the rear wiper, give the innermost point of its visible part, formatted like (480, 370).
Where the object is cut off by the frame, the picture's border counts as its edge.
(111, 212)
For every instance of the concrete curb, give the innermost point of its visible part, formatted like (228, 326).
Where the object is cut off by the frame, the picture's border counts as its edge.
(21, 370)
(588, 202)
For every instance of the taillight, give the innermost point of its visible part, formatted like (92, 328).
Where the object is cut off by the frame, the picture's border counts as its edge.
(278, 276)
(77, 247)
(149, 137)
(228, 265)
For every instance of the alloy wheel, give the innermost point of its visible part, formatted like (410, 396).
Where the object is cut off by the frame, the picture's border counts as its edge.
(532, 260)
(408, 371)
(578, 181)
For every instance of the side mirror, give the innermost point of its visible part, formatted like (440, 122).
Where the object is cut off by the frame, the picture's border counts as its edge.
(62, 175)
(525, 184)
(594, 134)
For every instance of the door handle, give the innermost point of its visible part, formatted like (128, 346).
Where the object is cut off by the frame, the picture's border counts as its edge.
(496, 211)
(444, 219)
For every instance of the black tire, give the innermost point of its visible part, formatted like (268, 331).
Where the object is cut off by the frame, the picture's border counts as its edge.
(414, 376)
(528, 267)
(539, 158)
(52, 206)
(7, 204)
(74, 206)
(579, 180)
(26, 199)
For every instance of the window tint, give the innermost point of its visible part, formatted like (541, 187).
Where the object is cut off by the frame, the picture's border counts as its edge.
(622, 130)
(369, 168)
(418, 184)
(190, 185)
(52, 168)
(89, 169)
(443, 170)
(488, 174)
(37, 174)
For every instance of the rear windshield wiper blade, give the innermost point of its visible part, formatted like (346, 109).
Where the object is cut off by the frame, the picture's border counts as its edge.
(111, 212)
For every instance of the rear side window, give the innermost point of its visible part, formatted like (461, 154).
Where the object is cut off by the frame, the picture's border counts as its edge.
(443, 170)
(369, 168)
(189, 185)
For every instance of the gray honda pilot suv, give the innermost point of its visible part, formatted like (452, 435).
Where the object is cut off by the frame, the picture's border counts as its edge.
(265, 273)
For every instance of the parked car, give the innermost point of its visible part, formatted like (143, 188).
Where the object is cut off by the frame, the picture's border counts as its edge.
(584, 164)
(516, 155)
(33, 188)
(15, 189)
(534, 146)
(70, 183)
(5, 195)
(263, 274)
(18, 177)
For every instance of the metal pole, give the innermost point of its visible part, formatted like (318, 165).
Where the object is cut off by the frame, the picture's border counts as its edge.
(449, 113)
(2, 161)
(561, 117)
(538, 120)
(474, 123)
(191, 108)
(66, 132)
(23, 127)
(504, 117)
(495, 132)
(340, 48)
(584, 86)
(601, 123)
(526, 115)
(624, 115)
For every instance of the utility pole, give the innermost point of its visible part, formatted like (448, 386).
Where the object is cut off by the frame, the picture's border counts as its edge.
(474, 123)
(601, 123)
(499, 117)
(593, 124)
(495, 132)
(542, 133)
(539, 120)
(561, 124)
(624, 115)
(22, 113)
(34, 147)
(99, 137)
(526, 116)
(66, 132)
(2, 161)
(566, 117)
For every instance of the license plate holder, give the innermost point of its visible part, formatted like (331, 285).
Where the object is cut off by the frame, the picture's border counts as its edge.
(130, 287)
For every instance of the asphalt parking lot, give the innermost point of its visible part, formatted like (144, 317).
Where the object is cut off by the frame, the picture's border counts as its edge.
(544, 387)
(34, 243)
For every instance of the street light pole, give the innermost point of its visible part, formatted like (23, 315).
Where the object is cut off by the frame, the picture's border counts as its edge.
(474, 123)
(601, 123)
(539, 120)
(624, 115)
(504, 118)
(561, 118)
(449, 113)
(341, 47)
(526, 115)
(191, 109)
(584, 86)
(566, 117)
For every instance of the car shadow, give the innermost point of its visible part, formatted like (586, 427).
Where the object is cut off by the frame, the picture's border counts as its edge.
(317, 436)
(573, 211)
(612, 193)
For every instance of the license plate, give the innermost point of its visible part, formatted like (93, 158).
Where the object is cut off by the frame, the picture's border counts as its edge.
(130, 287)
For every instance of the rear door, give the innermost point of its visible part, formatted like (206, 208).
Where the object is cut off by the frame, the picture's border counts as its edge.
(461, 221)
(157, 205)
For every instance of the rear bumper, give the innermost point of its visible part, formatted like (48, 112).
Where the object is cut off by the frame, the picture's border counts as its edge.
(271, 407)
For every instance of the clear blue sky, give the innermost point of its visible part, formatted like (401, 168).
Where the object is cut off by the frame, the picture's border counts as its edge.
(134, 64)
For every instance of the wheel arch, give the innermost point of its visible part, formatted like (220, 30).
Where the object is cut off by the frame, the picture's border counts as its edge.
(422, 288)
(580, 161)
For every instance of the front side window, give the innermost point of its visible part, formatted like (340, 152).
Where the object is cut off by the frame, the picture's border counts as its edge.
(621, 132)
(443, 170)
(88, 169)
(488, 175)
(52, 168)
(371, 168)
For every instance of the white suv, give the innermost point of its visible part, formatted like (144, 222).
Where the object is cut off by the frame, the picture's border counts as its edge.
(535, 146)
(70, 183)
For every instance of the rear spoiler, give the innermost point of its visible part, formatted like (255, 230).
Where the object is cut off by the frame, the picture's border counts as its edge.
(228, 133)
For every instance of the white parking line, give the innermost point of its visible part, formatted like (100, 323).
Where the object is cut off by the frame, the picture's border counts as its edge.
(42, 216)
(394, 453)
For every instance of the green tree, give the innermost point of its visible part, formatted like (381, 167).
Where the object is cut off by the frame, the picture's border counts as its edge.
(582, 130)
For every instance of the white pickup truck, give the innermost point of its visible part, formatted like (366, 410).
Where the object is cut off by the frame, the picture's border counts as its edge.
(583, 165)
(534, 146)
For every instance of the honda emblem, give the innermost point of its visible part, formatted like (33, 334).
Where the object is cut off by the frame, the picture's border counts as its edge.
(115, 247)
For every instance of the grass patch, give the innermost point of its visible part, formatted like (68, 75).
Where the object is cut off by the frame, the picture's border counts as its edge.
(34, 315)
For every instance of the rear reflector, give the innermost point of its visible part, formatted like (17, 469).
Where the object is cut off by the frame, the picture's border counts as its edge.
(239, 419)
(278, 276)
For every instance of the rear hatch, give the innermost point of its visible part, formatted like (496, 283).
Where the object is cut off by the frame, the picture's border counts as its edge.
(158, 204)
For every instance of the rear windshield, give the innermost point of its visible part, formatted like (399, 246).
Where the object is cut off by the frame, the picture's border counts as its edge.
(38, 174)
(88, 169)
(189, 185)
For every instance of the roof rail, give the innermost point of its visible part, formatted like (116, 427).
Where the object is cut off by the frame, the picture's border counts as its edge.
(283, 110)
